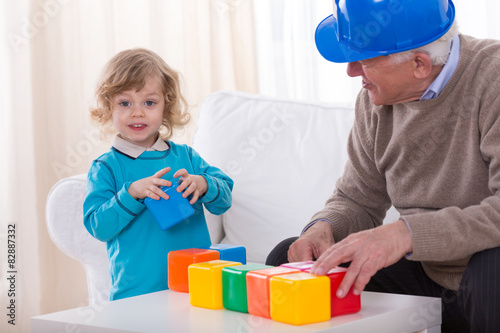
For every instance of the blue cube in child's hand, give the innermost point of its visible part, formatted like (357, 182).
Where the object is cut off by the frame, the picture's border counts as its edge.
(172, 211)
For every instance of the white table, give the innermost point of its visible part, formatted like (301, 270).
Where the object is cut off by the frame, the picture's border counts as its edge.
(170, 311)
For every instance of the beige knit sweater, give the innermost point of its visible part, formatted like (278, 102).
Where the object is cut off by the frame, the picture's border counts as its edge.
(437, 162)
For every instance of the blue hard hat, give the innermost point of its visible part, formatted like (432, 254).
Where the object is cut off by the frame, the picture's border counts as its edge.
(363, 29)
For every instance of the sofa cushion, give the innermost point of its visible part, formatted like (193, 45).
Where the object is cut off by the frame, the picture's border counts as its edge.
(284, 157)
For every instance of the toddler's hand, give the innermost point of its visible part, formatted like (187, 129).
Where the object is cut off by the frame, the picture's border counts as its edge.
(150, 186)
(194, 184)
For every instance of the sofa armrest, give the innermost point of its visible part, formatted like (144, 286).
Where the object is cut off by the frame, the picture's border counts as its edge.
(64, 214)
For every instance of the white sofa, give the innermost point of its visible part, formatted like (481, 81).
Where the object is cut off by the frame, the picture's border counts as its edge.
(284, 158)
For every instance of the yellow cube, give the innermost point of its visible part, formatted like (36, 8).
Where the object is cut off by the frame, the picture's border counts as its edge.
(300, 298)
(205, 283)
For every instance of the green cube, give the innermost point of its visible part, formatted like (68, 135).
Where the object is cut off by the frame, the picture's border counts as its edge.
(234, 286)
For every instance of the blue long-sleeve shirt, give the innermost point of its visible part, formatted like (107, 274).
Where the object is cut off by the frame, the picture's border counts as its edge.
(137, 247)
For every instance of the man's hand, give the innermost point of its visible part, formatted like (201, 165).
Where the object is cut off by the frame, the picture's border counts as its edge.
(368, 251)
(316, 240)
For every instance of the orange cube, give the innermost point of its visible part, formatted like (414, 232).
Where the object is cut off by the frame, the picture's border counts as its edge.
(258, 289)
(179, 261)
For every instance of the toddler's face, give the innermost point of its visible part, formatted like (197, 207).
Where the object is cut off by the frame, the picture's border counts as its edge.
(138, 115)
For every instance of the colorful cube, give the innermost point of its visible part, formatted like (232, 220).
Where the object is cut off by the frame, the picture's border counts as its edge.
(350, 303)
(231, 252)
(300, 298)
(205, 283)
(178, 263)
(258, 289)
(234, 286)
(302, 265)
(168, 213)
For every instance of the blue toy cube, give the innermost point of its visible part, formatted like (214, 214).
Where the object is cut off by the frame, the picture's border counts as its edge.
(231, 252)
(168, 213)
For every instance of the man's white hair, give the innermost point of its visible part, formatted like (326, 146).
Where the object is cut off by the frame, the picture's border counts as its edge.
(438, 50)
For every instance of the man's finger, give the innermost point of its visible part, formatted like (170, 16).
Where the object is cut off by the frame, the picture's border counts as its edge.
(333, 256)
(300, 250)
(349, 279)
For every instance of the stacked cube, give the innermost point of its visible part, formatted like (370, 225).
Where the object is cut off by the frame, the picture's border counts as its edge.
(219, 277)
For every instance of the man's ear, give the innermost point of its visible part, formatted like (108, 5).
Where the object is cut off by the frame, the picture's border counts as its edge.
(422, 65)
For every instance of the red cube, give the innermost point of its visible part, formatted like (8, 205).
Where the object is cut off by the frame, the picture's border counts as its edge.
(179, 261)
(350, 303)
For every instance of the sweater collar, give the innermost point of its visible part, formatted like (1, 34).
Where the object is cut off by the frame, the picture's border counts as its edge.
(463, 60)
(446, 73)
(133, 150)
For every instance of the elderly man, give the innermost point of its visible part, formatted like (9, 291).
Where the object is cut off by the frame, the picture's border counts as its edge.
(426, 139)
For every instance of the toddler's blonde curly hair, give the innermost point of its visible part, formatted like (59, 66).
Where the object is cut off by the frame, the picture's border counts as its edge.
(129, 70)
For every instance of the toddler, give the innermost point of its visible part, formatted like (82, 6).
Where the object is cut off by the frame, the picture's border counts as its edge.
(139, 95)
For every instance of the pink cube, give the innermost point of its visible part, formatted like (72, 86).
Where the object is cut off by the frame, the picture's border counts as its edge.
(302, 265)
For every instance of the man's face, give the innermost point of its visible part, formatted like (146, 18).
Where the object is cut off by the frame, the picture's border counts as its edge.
(387, 82)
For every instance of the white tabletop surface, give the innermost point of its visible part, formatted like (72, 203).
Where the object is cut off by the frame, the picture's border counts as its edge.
(170, 311)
